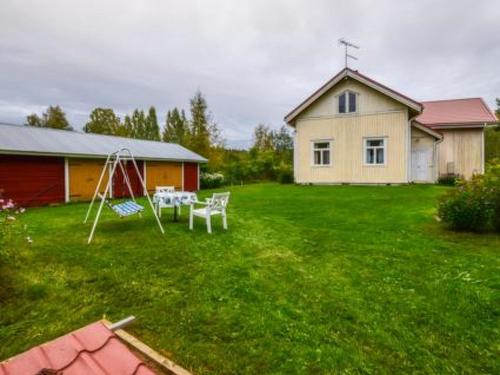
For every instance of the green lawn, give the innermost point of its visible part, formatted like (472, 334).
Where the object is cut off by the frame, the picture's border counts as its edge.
(308, 279)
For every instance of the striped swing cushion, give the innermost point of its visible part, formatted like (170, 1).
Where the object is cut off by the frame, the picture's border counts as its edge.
(127, 208)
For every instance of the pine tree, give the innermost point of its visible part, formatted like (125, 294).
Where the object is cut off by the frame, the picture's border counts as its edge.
(152, 128)
(200, 133)
(128, 127)
(176, 127)
(138, 121)
(103, 121)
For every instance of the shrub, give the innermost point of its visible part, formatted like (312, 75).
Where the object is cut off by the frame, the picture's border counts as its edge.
(448, 179)
(285, 175)
(475, 204)
(211, 180)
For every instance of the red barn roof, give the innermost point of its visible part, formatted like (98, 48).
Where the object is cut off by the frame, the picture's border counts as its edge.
(456, 113)
(93, 349)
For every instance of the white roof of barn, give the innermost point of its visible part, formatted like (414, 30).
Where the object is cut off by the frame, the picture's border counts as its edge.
(16, 139)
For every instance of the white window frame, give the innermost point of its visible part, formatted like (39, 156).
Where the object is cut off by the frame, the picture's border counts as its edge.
(365, 148)
(330, 150)
(347, 92)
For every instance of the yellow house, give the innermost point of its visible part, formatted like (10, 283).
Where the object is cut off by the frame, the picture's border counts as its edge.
(356, 130)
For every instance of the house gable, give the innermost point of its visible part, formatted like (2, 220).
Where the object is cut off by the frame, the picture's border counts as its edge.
(368, 101)
(413, 106)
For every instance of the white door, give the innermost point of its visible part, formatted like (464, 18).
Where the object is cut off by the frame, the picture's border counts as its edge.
(421, 165)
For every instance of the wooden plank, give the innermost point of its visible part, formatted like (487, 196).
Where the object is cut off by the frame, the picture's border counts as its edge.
(154, 356)
(83, 178)
(163, 174)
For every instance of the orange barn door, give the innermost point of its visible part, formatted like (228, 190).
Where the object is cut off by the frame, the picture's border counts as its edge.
(161, 173)
(83, 178)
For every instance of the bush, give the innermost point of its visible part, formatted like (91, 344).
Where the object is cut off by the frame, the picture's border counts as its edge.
(211, 180)
(448, 179)
(473, 205)
(285, 175)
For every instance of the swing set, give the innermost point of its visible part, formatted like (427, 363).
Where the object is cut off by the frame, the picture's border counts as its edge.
(127, 208)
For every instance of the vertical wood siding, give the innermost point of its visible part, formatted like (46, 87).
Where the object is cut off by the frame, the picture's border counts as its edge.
(463, 148)
(32, 180)
(347, 135)
(191, 176)
(377, 116)
(83, 178)
(160, 173)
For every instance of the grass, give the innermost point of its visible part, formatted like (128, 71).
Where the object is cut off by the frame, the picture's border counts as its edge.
(308, 279)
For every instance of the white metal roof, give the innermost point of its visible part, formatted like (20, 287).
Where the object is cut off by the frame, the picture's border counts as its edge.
(30, 140)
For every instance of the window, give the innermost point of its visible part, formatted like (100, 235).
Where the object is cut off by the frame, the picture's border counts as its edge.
(321, 153)
(375, 151)
(342, 100)
(347, 102)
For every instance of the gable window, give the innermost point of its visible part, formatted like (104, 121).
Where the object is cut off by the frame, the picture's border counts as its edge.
(347, 102)
(375, 151)
(342, 101)
(352, 102)
(321, 153)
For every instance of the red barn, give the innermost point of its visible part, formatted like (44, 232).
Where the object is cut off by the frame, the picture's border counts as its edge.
(40, 166)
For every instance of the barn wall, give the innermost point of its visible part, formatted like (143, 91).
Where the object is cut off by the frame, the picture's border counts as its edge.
(32, 180)
(191, 177)
(120, 189)
(161, 173)
(83, 178)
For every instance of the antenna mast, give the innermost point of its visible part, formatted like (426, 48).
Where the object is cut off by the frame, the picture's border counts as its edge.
(347, 44)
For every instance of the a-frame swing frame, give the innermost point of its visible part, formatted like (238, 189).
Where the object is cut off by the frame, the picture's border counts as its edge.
(113, 161)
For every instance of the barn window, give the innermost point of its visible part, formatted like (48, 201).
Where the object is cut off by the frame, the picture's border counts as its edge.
(375, 150)
(347, 102)
(321, 153)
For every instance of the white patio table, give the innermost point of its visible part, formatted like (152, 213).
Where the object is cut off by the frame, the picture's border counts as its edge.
(176, 198)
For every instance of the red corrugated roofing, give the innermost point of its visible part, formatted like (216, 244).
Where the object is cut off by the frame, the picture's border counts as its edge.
(459, 112)
(92, 350)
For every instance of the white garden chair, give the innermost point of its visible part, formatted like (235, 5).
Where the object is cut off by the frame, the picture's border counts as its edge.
(160, 204)
(213, 206)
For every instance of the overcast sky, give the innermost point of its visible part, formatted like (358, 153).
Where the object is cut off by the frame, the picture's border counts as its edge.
(253, 60)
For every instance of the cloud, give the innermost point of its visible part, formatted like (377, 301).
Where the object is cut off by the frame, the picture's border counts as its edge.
(254, 60)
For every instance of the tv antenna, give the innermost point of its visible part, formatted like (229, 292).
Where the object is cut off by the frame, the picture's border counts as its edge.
(346, 45)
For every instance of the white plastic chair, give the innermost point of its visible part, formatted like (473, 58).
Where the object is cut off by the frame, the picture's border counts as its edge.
(213, 206)
(160, 204)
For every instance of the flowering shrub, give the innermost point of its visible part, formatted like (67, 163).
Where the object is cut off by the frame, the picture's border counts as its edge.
(211, 180)
(8, 213)
(473, 205)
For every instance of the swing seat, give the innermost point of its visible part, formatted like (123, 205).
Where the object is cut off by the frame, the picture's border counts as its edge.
(123, 209)
(127, 208)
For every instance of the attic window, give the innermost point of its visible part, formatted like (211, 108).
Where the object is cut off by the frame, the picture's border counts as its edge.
(347, 102)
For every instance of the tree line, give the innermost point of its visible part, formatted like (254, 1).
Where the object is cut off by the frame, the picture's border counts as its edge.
(269, 158)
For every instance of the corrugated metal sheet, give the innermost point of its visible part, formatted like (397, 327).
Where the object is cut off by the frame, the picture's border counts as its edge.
(32, 140)
(92, 350)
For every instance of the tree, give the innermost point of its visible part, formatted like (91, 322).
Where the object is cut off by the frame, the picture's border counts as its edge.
(54, 118)
(103, 121)
(176, 127)
(282, 140)
(200, 132)
(34, 120)
(152, 129)
(262, 138)
(138, 122)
